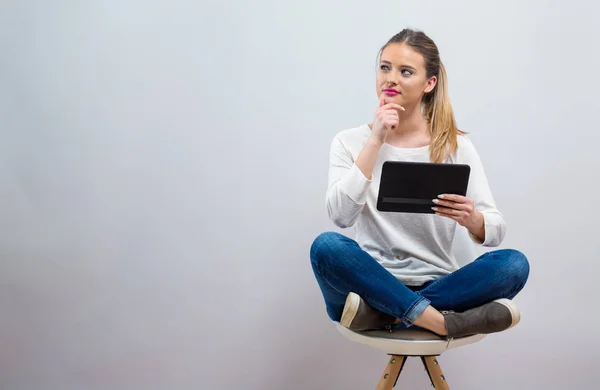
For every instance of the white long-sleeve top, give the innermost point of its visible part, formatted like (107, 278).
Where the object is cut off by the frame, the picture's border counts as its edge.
(415, 248)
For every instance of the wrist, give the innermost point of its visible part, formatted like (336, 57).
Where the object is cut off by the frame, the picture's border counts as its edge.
(477, 225)
(374, 141)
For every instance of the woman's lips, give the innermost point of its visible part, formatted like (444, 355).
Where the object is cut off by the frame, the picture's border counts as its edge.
(390, 92)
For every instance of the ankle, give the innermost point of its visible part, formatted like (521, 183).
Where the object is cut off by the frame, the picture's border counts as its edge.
(432, 320)
(441, 329)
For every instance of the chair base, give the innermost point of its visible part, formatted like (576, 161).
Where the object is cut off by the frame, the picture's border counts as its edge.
(390, 376)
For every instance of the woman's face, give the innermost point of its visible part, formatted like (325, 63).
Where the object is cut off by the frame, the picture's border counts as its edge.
(401, 76)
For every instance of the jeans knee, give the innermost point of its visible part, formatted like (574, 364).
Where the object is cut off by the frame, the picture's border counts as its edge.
(326, 246)
(517, 265)
(322, 245)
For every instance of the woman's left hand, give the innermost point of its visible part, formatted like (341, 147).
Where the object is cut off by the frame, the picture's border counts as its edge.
(460, 209)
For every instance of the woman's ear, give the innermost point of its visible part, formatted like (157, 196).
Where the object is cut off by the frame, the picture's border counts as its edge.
(430, 84)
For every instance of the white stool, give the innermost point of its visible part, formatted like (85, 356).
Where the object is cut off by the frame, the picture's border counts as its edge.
(402, 343)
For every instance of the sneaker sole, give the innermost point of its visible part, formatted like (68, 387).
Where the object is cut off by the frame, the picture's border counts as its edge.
(350, 309)
(514, 310)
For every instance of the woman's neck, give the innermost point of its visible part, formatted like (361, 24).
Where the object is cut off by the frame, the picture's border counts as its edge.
(412, 130)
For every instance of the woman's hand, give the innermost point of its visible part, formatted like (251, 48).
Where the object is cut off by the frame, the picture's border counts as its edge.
(386, 118)
(461, 209)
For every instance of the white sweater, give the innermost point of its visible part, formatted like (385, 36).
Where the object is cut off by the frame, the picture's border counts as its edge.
(415, 248)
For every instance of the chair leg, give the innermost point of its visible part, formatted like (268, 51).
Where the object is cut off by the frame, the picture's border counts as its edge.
(438, 380)
(392, 372)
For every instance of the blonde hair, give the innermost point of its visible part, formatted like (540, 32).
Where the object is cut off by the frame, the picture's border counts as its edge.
(437, 108)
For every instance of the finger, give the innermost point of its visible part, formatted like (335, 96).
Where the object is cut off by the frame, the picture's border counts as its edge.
(447, 215)
(457, 218)
(454, 198)
(389, 116)
(390, 122)
(452, 205)
(445, 210)
(382, 99)
(453, 212)
(393, 106)
(452, 218)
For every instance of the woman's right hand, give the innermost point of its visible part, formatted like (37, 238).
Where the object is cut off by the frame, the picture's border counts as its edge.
(386, 118)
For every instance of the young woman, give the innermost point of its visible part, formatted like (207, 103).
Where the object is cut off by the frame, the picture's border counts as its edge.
(400, 271)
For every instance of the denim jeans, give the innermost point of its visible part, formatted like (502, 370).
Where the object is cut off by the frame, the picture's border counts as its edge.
(341, 266)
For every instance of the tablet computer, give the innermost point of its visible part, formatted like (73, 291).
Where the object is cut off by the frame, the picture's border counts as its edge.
(410, 187)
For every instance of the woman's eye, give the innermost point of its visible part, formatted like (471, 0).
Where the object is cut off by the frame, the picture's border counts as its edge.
(406, 72)
(384, 67)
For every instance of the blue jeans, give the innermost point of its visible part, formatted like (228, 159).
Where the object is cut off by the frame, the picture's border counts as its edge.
(341, 266)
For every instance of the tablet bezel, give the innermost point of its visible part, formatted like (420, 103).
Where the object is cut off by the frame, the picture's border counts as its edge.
(448, 178)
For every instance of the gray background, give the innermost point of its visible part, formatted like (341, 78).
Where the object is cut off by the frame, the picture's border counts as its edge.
(163, 170)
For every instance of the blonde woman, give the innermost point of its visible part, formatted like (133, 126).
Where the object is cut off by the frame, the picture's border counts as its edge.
(399, 270)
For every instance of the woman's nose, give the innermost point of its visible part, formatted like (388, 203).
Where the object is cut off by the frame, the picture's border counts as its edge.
(392, 82)
(392, 79)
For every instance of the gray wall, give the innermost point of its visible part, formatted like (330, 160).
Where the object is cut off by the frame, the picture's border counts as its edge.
(163, 169)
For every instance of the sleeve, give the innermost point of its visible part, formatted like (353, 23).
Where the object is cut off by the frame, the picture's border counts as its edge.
(347, 187)
(483, 200)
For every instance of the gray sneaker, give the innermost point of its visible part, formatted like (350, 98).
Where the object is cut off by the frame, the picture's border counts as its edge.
(496, 316)
(359, 316)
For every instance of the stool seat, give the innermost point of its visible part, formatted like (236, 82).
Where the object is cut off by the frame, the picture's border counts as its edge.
(402, 343)
(406, 342)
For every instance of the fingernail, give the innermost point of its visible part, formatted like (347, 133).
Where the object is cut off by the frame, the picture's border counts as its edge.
(434, 208)
(440, 196)
(435, 200)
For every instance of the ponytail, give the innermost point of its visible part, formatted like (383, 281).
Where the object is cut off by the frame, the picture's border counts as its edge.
(442, 125)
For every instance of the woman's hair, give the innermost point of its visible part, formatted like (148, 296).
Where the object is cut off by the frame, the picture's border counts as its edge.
(436, 104)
